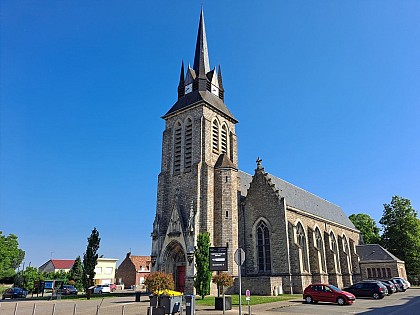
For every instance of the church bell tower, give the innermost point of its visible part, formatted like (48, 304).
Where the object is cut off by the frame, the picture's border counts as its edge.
(198, 183)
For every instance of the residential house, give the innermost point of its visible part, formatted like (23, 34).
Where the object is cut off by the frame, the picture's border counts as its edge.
(105, 270)
(55, 265)
(133, 270)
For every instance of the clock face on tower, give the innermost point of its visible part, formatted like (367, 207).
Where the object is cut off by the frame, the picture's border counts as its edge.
(215, 90)
(188, 88)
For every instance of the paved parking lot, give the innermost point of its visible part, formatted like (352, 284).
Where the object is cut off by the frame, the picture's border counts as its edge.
(399, 303)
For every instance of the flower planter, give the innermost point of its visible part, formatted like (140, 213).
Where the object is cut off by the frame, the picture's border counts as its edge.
(218, 303)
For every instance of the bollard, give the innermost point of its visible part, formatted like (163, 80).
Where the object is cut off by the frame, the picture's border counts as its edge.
(16, 307)
(123, 310)
(34, 309)
(53, 311)
(74, 309)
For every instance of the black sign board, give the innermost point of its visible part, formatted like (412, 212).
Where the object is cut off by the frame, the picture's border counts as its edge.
(218, 259)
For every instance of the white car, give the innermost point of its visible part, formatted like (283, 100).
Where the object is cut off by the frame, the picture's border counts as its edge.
(102, 288)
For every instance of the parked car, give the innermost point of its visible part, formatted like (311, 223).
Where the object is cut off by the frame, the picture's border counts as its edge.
(373, 289)
(408, 284)
(390, 286)
(14, 293)
(68, 289)
(113, 287)
(102, 288)
(320, 292)
(401, 285)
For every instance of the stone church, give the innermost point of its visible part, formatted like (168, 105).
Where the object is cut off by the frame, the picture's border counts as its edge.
(291, 237)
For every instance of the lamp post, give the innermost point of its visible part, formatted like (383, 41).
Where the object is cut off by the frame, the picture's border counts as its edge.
(87, 287)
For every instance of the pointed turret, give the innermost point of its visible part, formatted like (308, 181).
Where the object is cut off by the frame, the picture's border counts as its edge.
(181, 85)
(221, 89)
(201, 58)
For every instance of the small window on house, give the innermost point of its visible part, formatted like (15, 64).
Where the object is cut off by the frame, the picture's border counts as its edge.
(379, 272)
(333, 243)
(98, 270)
(373, 272)
(188, 144)
(369, 272)
(215, 136)
(108, 270)
(319, 244)
(177, 147)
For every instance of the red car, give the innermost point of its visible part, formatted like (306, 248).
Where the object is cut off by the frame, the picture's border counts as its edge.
(113, 287)
(327, 293)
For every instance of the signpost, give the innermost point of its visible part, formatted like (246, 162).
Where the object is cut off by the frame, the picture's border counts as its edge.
(239, 259)
(218, 259)
(248, 298)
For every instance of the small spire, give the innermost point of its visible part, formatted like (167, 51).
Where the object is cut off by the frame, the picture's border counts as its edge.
(201, 58)
(181, 76)
(181, 85)
(219, 77)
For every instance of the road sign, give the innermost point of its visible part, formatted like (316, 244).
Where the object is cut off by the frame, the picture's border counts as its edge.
(239, 256)
(248, 295)
(218, 259)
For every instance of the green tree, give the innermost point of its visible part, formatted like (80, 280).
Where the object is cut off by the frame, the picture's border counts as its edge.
(367, 227)
(90, 258)
(26, 278)
(11, 256)
(203, 276)
(401, 232)
(76, 273)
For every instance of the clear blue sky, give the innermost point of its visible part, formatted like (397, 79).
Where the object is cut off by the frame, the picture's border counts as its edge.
(327, 93)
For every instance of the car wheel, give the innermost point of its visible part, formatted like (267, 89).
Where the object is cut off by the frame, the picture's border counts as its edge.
(376, 296)
(100, 292)
(341, 301)
(308, 299)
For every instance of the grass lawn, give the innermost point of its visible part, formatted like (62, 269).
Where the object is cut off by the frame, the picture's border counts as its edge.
(209, 300)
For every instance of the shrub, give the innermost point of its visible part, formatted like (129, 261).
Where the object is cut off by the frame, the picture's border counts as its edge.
(158, 281)
(223, 280)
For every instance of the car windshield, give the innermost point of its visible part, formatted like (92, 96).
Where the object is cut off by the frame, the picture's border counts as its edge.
(335, 288)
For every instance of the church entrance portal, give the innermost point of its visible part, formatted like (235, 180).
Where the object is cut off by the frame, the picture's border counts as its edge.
(175, 264)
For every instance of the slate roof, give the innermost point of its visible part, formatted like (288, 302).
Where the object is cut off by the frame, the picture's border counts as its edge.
(301, 199)
(374, 252)
(196, 97)
(62, 263)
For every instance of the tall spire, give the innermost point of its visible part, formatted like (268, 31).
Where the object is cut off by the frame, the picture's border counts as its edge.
(201, 58)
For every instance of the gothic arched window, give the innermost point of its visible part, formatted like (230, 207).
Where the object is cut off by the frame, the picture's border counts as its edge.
(224, 139)
(177, 147)
(333, 243)
(215, 136)
(188, 144)
(263, 247)
(301, 240)
(319, 244)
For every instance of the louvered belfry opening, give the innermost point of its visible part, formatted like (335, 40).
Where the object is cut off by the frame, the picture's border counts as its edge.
(215, 136)
(224, 139)
(177, 147)
(188, 144)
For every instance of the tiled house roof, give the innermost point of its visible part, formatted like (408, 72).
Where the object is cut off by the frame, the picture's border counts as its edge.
(141, 262)
(62, 263)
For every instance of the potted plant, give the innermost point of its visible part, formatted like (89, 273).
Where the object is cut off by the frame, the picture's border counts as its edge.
(223, 281)
(158, 282)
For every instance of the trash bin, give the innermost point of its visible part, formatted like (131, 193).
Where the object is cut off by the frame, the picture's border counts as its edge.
(138, 295)
(190, 304)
